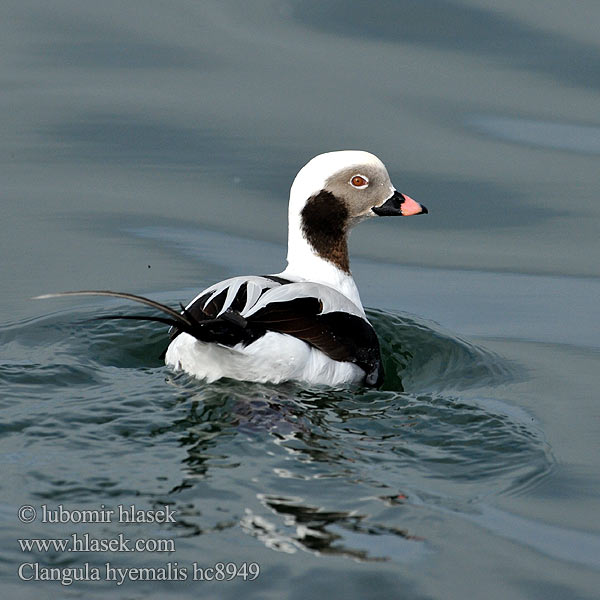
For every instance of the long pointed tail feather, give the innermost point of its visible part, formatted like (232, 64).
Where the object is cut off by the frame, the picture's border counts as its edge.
(203, 330)
(162, 307)
(171, 322)
(184, 322)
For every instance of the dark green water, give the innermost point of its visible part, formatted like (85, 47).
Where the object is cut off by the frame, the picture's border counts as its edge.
(149, 148)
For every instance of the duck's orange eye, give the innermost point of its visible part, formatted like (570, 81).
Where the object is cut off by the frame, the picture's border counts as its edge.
(358, 181)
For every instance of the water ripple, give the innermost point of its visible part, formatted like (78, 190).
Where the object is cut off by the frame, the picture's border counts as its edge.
(296, 466)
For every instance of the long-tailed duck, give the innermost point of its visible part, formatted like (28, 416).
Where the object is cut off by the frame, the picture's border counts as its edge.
(306, 323)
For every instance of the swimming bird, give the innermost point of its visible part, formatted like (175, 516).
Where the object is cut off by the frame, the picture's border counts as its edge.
(306, 323)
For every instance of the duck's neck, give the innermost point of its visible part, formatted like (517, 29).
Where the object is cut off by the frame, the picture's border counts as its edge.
(320, 256)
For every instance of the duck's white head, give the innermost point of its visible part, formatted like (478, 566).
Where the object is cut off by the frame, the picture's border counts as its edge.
(332, 193)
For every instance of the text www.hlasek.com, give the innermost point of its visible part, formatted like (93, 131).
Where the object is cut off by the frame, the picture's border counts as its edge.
(85, 543)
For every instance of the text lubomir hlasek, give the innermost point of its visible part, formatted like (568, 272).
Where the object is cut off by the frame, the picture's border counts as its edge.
(120, 514)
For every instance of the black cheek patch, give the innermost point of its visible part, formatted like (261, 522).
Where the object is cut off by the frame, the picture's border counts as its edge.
(324, 225)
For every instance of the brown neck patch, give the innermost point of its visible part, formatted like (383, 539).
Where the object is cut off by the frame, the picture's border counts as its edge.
(324, 225)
